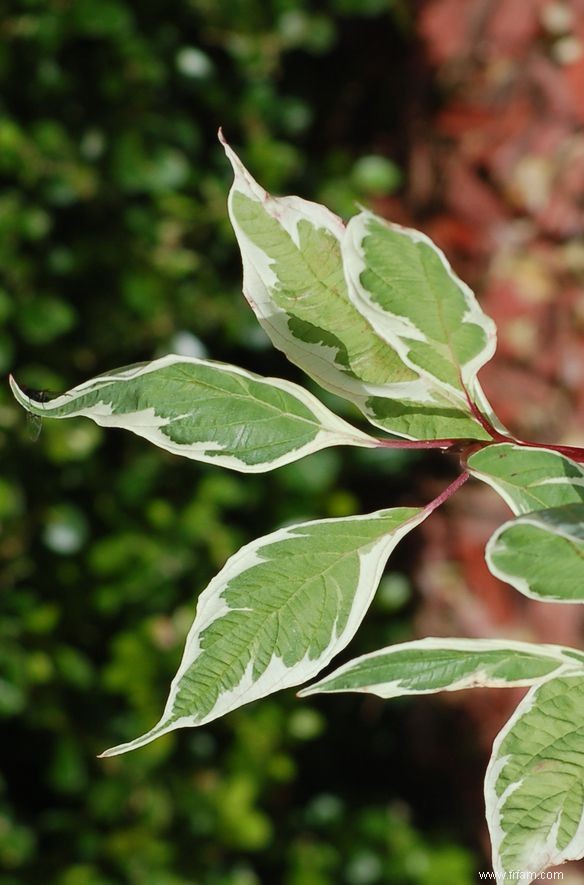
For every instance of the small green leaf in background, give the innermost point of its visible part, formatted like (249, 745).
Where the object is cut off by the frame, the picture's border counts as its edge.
(44, 319)
(375, 175)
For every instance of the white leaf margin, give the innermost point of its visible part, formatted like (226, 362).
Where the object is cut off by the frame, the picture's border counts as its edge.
(540, 857)
(147, 424)
(211, 606)
(395, 688)
(392, 327)
(516, 581)
(499, 485)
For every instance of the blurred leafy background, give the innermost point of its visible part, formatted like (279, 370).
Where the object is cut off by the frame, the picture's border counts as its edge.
(115, 247)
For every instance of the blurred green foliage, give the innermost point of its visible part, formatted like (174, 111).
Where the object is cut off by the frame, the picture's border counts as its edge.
(115, 247)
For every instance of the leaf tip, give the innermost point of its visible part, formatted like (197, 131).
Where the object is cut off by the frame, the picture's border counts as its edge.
(18, 393)
(163, 727)
(242, 178)
(112, 751)
(229, 152)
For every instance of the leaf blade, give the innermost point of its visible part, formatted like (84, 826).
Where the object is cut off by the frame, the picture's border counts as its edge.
(541, 554)
(207, 411)
(529, 479)
(405, 286)
(430, 665)
(320, 576)
(534, 783)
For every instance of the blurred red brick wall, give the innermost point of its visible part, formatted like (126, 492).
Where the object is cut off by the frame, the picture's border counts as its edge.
(496, 177)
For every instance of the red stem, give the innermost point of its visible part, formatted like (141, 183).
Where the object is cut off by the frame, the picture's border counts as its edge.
(574, 452)
(417, 443)
(485, 424)
(448, 491)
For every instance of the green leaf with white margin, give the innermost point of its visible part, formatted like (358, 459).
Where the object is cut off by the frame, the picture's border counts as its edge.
(278, 612)
(541, 554)
(528, 478)
(408, 291)
(293, 279)
(534, 787)
(207, 411)
(425, 666)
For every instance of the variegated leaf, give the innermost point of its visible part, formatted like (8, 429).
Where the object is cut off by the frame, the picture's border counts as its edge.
(541, 554)
(207, 411)
(409, 293)
(529, 478)
(534, 788)
(429, 665)
(294, 280)
(277, 613)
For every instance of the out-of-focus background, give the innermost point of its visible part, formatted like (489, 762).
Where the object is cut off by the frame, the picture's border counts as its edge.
(462, 117)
